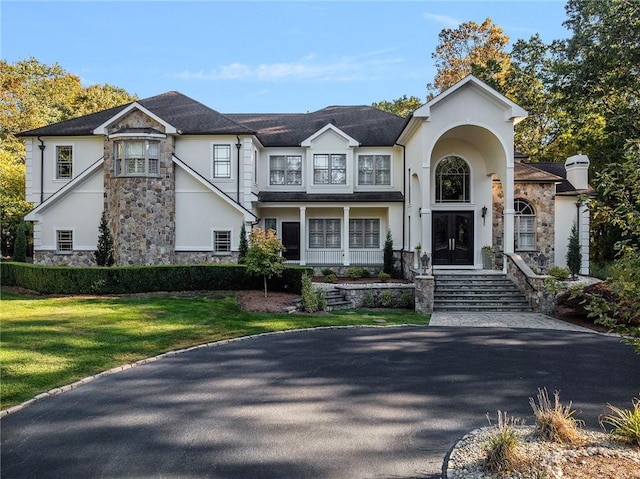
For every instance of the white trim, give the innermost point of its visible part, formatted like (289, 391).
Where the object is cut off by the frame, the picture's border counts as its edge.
(102, 129)
(248, 215)
(33, 215)
(55, 161)
(329, 127)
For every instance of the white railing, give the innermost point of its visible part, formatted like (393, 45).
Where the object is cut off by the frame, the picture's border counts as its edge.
(360, 257)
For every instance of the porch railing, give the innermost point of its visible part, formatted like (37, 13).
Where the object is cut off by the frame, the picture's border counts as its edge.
(361, 257)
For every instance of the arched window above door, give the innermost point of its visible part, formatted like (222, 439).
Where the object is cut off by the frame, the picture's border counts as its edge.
(453, 177)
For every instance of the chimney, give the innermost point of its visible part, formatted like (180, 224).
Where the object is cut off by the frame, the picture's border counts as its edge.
(577, 168)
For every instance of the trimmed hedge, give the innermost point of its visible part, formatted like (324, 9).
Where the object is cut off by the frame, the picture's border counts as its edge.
(143, 279)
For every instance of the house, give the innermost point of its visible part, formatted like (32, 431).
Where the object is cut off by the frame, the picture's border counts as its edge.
(178, 179)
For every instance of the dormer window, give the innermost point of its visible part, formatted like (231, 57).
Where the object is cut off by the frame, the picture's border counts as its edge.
(137, 158)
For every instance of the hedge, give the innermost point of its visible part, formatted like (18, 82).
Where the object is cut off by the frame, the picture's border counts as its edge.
(143, 279)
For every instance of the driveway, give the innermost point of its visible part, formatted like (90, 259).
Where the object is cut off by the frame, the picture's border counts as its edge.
(332, 403)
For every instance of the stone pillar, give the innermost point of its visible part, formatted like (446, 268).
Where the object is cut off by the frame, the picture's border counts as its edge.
(425, 286)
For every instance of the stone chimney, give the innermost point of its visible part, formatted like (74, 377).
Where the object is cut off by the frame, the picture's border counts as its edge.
(577, 168)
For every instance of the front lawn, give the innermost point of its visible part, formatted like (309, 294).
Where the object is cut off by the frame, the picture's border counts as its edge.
(48, 342)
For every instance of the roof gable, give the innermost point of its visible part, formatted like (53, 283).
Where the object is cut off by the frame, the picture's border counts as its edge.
(102, 128)
(350, 141)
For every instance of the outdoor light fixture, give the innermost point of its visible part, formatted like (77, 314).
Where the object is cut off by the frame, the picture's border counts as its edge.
(484, 214)
(425, 262)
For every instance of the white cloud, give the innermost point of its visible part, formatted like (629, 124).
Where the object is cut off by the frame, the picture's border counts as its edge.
(444, 20)
(310, 67)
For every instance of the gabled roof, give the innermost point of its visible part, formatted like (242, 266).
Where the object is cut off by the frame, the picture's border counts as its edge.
(174, 108)
(367, 125)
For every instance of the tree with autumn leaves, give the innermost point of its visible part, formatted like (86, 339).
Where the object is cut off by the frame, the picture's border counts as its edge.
(264, 257)
(33, 95)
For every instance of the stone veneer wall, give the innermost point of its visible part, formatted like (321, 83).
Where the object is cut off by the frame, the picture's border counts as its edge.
(531, 284)
(356, 293)
(541, 196)
(141, 209)
(204, 257)
(77, 258)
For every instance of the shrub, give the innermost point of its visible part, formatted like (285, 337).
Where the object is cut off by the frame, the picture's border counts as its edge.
(368, 301)
(357, 273)
(388, 258)
(331, 278)
(406, 300)
(104, 251)
(574, 255)
(384, 277)
(309, 297)
(20, 245)
(501, 453)
(327, 272)
(386, 298)
(625, 422)
(142, 279)
(321, 300)
(559, 273)
(243, 245)
(554, 422)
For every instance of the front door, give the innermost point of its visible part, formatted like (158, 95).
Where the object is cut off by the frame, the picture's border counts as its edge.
(452, 238)
(291, 240)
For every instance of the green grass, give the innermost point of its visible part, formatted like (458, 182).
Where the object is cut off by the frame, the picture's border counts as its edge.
(48, 342)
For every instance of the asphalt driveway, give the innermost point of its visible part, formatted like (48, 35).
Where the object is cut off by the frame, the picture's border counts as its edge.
(333, 403)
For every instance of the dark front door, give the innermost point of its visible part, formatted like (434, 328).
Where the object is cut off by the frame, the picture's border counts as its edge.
(452, 238)
(291, 240)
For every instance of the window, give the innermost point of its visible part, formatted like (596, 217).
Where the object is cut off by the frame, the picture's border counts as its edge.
(285, 170)
(270, 224)
(64, 241)
(222, 241)
(222, 161)
(137, 158)
(330, 169)
(64, 162)
(324, 233)
(364, 233)
(452, 181)
(524, 225)
(374, 170)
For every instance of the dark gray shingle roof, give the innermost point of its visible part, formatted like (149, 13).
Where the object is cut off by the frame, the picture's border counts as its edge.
(368, 125)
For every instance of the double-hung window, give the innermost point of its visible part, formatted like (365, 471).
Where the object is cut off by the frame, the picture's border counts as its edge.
(524, 225)
(64, 162)
(137, 158)
(64, 241)
(324, 233)
(364, 233)
(285, 170)
(222, 241)
(222, 161)
(330, 169)
(374, 170)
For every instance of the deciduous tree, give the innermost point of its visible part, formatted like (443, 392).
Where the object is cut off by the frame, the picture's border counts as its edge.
(264, 257)
(402, 106)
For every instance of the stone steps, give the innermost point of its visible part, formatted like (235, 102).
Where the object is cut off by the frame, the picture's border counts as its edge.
(477, 292)
(335, 300)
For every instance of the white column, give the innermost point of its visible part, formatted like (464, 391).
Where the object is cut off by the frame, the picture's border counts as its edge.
(508, 212)
(583, 231)
(303, 235)
(425, 211)
(346, 260)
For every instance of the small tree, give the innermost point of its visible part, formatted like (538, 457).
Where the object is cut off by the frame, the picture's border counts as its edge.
(388, 259)
(20, 245)
(574, 256)
(264, 257)
(104, 253)
(244, 245)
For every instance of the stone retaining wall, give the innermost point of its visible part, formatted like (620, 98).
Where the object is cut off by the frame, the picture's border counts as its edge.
(77, 258)
(402, 294)
(531, 284)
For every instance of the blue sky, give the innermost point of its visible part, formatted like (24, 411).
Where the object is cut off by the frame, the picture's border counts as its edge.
(258, 56)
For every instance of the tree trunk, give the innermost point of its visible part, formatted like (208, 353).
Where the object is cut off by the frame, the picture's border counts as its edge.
(265, 285)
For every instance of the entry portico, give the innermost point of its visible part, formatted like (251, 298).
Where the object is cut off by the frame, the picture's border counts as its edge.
(456, 144)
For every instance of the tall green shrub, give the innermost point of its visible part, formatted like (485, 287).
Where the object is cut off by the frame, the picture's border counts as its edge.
(20, 246)
(243, 247)
(104, 252)
(574, 256)
(388, 259)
